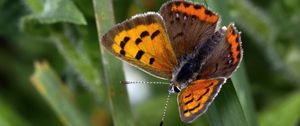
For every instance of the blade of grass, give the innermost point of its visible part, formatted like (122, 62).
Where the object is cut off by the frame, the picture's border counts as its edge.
(51, 88)
(81, 63)
(242, 88)
(112, 68)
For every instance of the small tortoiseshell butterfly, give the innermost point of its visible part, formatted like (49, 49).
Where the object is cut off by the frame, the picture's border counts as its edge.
(181, 43)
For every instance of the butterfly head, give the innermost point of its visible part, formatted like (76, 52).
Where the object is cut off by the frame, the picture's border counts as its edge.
(175, 87)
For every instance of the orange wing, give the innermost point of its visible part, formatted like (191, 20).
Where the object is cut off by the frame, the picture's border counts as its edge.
(188, 24)
(226, 56)
(194, 100)
(143, 42)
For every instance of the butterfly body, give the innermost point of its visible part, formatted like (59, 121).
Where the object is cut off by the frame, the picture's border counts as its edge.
(181, 43)
(189, 66)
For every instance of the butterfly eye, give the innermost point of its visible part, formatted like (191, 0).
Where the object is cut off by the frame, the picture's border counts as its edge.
(174, 89)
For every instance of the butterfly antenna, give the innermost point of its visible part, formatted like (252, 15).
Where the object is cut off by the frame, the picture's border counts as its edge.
(143, 82)
(165, 110)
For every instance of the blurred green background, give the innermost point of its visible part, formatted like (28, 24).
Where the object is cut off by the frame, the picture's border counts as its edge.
(52, 71)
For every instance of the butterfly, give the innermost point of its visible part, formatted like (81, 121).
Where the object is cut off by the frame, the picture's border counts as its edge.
(181, 43)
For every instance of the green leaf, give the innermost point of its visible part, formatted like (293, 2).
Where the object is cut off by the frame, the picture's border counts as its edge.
(285, 111)
(112, 70)
(59, 97)
(226, 109)
(54, 11)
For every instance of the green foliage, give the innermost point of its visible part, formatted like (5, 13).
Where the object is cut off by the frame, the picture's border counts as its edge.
(79, 84)
(54, 11)
(59, 97)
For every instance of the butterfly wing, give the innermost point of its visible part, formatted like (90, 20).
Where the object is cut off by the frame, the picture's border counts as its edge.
(226, 55)
(143, 42)
(188, 25)
(194, 100)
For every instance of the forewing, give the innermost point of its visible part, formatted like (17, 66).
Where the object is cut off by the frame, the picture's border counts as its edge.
(194, 100)
(142, 41)
(226, 55)
(188, 25)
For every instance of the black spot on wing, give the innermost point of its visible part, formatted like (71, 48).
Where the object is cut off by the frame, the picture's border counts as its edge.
(144, 34)
(199, 98)
(122, 52)
(123, 43)
(197, 6)
(185, 111)
(208, 12)
(126, 39)
(138, 41)
(139, 54)
(188, 96)
(192, 109)
(207, 90)
(189, 101)
(154, 34)
(151, 61)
